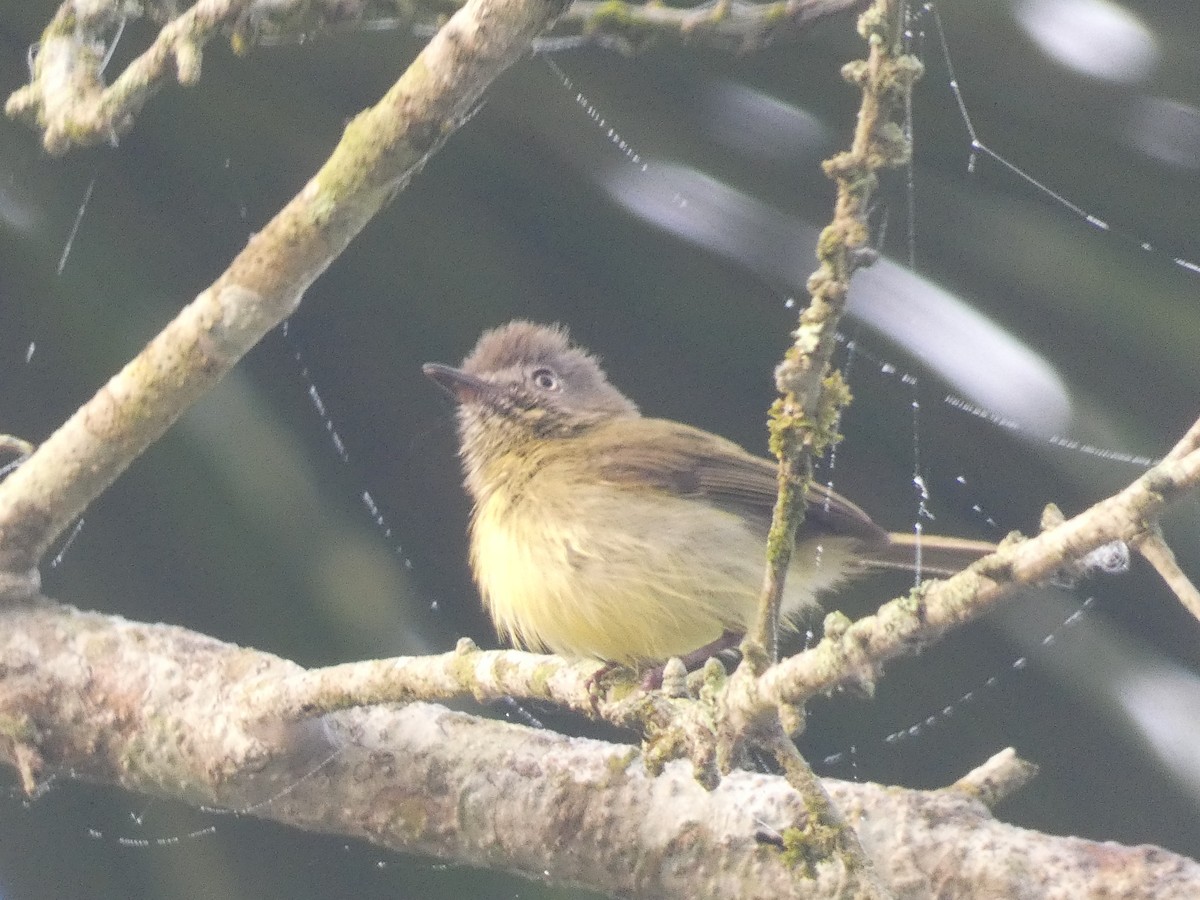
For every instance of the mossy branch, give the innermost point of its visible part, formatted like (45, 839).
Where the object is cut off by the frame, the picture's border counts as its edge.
(68, 100)
(803, 420)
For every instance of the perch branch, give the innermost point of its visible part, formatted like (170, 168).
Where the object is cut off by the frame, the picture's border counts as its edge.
(174, 714)
(852, 653)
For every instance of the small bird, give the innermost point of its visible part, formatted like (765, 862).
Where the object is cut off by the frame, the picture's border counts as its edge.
(599, 533)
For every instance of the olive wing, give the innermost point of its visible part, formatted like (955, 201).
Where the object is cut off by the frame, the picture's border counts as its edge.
(686, 461)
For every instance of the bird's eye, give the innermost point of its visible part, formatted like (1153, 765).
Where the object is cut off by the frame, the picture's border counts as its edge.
(545, 379)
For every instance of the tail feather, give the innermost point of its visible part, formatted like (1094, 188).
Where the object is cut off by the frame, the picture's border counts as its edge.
(932, 555)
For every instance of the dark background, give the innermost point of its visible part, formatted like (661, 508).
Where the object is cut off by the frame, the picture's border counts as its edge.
(244, 524)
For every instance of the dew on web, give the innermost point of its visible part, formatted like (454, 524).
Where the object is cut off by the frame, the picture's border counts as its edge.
(968, 698)
(515, 710)
(845, 759)
(41, 788)
(70, 242)
(1111, 556)
(980, 413)
(922, 488)
(172, 840)
(339, 446)
(980, 149)
(66, 544)
(1052, 440)
(918, 479)
(889, 369)
(976, 507)
(318, 404)
(590, 110)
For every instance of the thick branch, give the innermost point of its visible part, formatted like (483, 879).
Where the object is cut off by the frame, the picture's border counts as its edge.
(171, 713)
(381, 150)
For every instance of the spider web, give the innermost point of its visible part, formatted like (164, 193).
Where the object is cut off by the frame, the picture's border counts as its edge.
(930, 442)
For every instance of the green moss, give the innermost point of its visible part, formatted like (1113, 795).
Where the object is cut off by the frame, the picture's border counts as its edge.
(614, 14)
(409, 817)
(661, 749)
(777, 14)
(622, 688)
(873, 24)
(539, 682)
(804, 848)
(619, 763)
(18, 728)
(836, 624)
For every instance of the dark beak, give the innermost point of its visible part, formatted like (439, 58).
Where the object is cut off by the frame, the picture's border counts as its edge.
(462, 386)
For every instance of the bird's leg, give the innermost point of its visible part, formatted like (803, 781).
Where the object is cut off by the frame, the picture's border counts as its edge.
(593, 683)
(692, 661)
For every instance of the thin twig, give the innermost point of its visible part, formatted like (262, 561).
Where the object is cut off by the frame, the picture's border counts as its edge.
(67, 98)
(66, 95)
(997, 779)
(1155, 550)
(804, 418)
(718, 24)
(824, 832)
(904, 625)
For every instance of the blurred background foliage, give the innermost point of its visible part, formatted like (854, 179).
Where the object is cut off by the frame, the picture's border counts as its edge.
(678, 268)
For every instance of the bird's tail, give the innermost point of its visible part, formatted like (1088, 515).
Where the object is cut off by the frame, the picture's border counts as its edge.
(931, 555)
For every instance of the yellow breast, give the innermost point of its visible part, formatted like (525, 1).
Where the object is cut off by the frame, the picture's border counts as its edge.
(602, 572)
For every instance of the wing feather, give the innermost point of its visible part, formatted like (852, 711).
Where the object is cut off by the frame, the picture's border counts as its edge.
(687, 461)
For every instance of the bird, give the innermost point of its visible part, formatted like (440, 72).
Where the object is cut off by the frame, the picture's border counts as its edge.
(600, 533)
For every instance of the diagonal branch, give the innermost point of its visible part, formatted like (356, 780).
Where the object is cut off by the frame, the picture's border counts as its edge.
(1155, 550)
(858, 652)
(381, 149)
